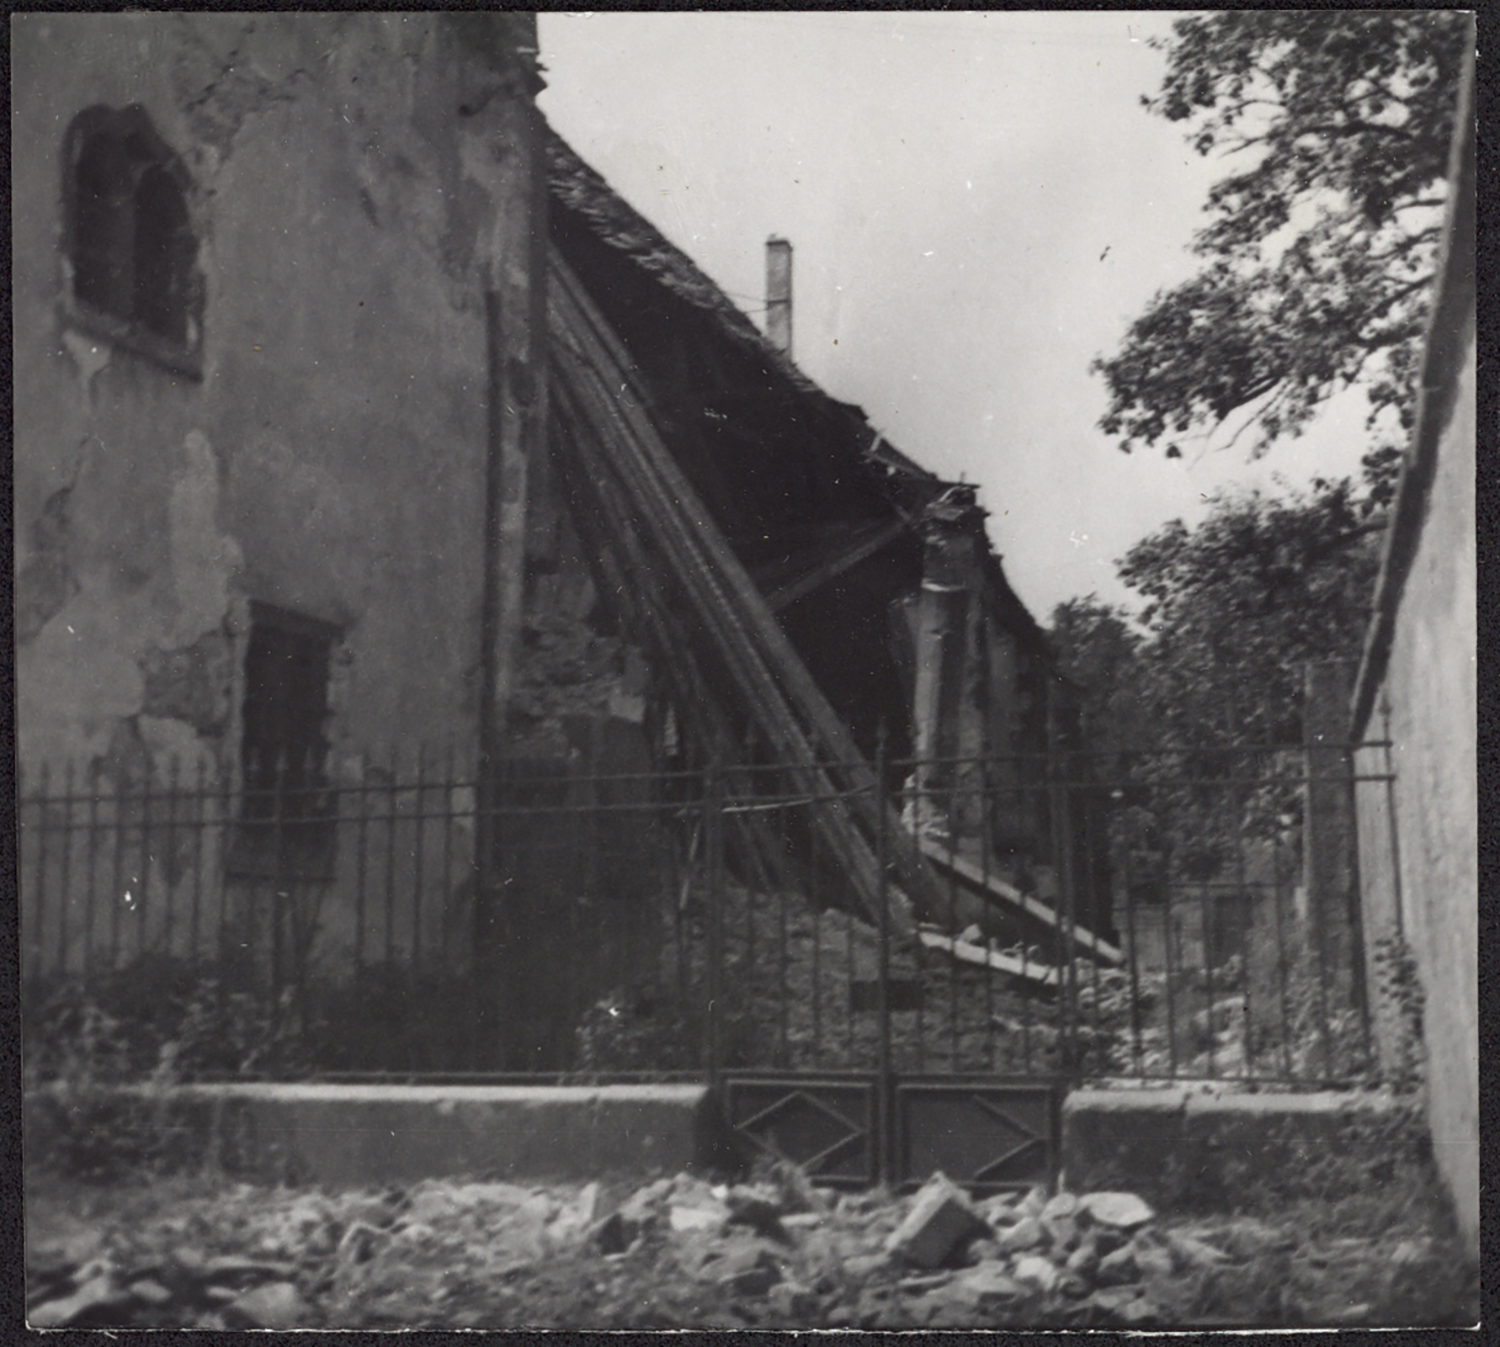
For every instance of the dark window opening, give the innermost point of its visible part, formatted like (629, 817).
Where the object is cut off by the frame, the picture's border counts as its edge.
(287, 812)
(129, 234)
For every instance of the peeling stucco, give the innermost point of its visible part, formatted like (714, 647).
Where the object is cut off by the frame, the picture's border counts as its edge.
(192, 684)
(79, 677)
(90, 355)
(44, 578)
(204, 560)
(176, 753)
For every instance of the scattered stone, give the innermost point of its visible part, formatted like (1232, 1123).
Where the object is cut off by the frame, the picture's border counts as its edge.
(613, 1235)
(758, 1209)
(230, 1269)
(1152, 1259)
(940, 1220)
(572, 1222)
(1034, 1203)
(1117, 1268)
(697, 1218)
(1038, 1271)
(792, 1301)
(915, 1286)
(863, 1265)
(1191, 1252)
(1084, 1260)
(643, 1205)
(1123, 1211)
(999, 1210)
(1137, 1312)
(1074, 1286)
(987, 1285)
(1027, 1233)
(149, 1292)
(803, 1220)
(1062, 1231)
(1062, 1205)
(1110, 1299)
(1108, 1238)
(187, 1262)
(1245, 1237)
(95, 1304)
(274, 1305)
(359, 1243)
(983, 1251)
(748, 1270)
(794, 1191)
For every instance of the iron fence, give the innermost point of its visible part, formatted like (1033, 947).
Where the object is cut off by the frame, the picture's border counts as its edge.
(1152, 918)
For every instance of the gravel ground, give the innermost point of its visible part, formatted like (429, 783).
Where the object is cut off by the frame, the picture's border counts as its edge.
(684, 1252)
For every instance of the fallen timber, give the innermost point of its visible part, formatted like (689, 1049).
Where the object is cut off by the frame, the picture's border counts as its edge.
(784, 703)
(665, 561)
(1001, 894)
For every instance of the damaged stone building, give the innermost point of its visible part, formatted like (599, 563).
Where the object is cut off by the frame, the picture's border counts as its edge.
(318, 328)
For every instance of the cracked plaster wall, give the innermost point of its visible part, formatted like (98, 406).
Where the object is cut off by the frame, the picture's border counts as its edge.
(330, 460)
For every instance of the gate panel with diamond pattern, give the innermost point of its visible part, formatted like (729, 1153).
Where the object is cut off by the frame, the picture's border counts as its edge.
(827, 1125)
(987, 1135)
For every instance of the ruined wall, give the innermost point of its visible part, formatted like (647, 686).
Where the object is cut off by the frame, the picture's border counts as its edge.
(331, 457)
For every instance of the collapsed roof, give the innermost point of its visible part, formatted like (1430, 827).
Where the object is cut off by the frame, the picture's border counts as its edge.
(757, 534)
(803, 487)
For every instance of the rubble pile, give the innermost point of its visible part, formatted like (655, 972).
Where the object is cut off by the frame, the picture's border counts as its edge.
(686, 1252)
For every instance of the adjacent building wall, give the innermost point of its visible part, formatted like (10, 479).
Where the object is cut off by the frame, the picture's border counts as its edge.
(329, 456)
(1418, 834)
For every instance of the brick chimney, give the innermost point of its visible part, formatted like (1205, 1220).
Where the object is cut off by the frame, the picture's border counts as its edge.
(779, 294)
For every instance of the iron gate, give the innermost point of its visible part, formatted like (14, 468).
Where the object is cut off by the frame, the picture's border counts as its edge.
(859, 1129)
(1157, 919)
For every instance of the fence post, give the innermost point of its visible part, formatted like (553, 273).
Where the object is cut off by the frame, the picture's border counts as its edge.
(713, 836)
(1328, 830)
(885, 1089)
(484, 983)
(1062, 856)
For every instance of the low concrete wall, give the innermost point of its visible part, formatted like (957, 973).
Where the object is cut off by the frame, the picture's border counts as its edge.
(367, 1135)
(1188, 1151)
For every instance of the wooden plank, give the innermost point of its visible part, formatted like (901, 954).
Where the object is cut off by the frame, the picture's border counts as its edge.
(963, 950)
(788, 594)
(639, 595)
(668, 513)
(998, 891)
(782, 694)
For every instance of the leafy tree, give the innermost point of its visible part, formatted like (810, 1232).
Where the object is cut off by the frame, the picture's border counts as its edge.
(1098, 648)
(1233, 610)
(1322, 243)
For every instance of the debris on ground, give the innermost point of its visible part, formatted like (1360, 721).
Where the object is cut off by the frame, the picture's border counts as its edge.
(685, 1252)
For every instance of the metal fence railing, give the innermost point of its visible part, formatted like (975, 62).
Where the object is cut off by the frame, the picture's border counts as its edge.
(1149, 917)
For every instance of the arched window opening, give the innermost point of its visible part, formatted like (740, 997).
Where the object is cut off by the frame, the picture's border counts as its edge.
(164, 251)
(129, 234)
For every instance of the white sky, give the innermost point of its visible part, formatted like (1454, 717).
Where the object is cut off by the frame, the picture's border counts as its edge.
(978, 206)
